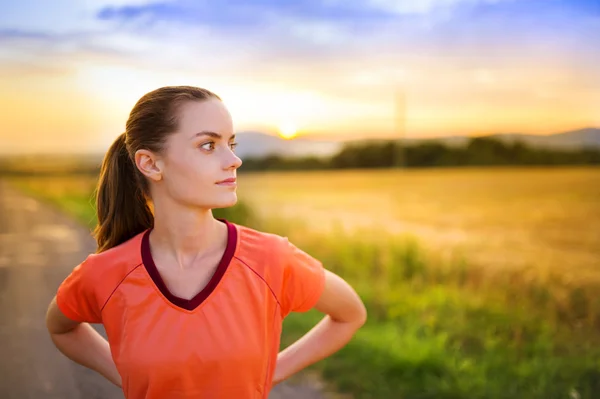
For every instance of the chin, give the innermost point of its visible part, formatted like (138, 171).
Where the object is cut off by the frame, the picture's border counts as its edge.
(223, 202)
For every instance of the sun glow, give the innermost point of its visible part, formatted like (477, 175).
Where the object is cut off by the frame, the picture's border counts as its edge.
(288, 130)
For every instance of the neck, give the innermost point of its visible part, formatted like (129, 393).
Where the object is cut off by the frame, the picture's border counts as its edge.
(184, 233)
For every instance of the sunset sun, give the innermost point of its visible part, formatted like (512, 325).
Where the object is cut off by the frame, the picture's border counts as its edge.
(287, 130)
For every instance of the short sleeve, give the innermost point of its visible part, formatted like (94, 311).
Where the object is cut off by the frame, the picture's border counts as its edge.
(303, 281)
(76, 296)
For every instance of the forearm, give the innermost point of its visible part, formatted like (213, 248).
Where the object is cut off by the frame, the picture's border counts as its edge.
(326, 338)
(86, 346)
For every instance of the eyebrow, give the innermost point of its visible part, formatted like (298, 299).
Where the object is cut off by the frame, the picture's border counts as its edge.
(212, 134)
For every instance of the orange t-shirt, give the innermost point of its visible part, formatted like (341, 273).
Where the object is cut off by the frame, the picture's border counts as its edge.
(223, 343)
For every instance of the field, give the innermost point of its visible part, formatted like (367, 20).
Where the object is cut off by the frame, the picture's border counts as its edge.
(497, 217)
(480, 283)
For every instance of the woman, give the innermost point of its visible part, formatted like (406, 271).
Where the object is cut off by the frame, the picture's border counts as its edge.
(192, 305)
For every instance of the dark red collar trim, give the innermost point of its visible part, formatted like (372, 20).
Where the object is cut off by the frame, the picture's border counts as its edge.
(190, 304)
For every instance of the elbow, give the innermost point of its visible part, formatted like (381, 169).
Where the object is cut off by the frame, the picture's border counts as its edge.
(354, 319)
(359, 312)
(361, 317)
(56, 322)
(49, 321)
(357, 318)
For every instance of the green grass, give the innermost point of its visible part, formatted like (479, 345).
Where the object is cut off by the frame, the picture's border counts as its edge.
(451, 331)
(439, 326)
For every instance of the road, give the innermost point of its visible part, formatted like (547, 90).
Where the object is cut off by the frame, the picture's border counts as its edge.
(38, 248)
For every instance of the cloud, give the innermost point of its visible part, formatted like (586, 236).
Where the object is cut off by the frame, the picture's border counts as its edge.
(422, 6)
(34, 52)
(276, 43)
(240, 11)
(283, 43)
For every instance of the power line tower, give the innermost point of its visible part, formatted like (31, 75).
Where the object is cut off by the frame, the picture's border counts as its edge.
(399, 127)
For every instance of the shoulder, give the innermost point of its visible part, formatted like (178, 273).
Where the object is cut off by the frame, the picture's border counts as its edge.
(264, 253)
(83, 294)
(294, 276)
(104, 271)
(255, 245)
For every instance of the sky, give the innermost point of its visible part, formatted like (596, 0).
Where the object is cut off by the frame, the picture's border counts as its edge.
(71, 70)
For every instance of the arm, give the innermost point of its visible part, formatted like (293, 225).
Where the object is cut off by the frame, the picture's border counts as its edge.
(345, 314)
(81, 343)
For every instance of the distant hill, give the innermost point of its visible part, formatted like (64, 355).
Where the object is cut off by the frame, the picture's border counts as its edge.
(257, 144)
(575, 139)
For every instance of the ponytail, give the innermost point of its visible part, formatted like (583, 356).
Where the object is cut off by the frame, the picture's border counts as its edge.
(121, 204)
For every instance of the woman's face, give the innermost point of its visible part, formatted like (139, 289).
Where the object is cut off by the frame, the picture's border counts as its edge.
(199, 157)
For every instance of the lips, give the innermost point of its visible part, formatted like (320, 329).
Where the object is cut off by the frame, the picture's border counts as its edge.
(227, 181)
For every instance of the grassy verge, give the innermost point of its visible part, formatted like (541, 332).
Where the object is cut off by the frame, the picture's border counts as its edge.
(438, 327)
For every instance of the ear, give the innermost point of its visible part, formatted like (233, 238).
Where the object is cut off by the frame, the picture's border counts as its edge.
(149, 164)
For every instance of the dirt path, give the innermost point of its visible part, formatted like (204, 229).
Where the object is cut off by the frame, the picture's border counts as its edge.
(38, 248)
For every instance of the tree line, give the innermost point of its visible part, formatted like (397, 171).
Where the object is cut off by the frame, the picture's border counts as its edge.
(478, 151)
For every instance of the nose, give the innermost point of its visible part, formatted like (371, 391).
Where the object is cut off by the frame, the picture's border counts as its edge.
(232, 161)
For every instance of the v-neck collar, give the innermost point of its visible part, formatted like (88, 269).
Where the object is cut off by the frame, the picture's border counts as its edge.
(193, 303)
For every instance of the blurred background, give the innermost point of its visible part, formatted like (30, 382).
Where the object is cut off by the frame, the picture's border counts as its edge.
(440, 155)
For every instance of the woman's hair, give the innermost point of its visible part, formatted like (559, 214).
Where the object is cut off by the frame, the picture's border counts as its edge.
(122, 193)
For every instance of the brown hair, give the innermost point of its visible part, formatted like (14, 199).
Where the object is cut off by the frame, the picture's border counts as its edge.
(122, 193)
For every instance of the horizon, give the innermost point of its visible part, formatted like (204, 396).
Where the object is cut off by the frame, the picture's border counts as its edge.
(101, 152)
(326, 70)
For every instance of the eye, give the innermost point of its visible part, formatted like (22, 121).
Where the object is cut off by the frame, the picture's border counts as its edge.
(233, 145)
(211, 145)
